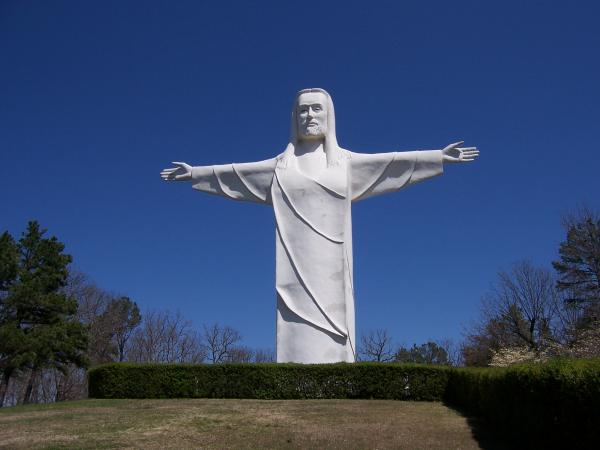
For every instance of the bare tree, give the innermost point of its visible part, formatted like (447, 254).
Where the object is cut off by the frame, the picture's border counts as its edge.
(71, 385)
(376, 346)
(453, 351)
(166, 337)
(240, 354)
(124, 315)
(263, 355)
(526, 300)
(111, 318)
(219, 342)
(93, 302)
(521, 310)
(91, 299)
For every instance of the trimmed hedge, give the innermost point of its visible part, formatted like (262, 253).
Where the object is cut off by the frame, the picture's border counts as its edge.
(269, 381)
(551, 405)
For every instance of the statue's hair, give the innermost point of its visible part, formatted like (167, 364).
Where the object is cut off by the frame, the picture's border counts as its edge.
(332, 150)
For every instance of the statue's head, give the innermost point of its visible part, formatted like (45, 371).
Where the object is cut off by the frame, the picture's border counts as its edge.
(313, 117)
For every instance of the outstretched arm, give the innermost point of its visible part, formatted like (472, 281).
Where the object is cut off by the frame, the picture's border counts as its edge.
(245, 181)
(374, 174)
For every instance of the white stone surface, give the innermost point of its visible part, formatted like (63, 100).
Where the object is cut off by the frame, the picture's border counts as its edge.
(311, 187)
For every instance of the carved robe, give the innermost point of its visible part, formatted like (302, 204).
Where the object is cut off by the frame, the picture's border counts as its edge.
(314, 281)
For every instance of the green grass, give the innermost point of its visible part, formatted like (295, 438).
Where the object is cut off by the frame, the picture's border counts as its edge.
(217, 423)
(62, 406)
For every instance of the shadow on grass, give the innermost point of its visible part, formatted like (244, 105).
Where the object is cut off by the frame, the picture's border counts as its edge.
(485, 436)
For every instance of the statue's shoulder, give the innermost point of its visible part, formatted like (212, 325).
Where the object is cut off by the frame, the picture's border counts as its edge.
(361, 159)
(346, 154)
(359, 156)
(356, 156)
(267, 165)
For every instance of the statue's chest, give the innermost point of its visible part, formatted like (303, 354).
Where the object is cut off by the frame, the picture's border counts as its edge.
(313, 179)
(321, 202)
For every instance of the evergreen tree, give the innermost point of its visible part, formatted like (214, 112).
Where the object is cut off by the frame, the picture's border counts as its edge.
(11, 338)
(8, 262)
(579, 264)
(579, 273)
(37, 325)
(428, 353)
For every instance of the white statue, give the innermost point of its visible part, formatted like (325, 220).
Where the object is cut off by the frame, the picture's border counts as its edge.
(311, 187)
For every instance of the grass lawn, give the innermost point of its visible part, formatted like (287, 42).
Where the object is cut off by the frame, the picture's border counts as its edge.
(216, 423)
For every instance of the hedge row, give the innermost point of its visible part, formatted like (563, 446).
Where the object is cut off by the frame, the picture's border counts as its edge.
(269, 381)
(552, 405)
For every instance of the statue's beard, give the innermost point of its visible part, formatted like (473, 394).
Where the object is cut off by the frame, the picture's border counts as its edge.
(313, 132)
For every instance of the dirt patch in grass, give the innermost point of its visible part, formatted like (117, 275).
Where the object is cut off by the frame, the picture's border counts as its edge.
(215, 423)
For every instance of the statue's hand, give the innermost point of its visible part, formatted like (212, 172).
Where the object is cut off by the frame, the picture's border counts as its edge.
(454, 154)
(182, 172)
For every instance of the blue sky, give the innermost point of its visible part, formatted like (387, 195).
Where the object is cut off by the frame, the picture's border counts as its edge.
(97, 97)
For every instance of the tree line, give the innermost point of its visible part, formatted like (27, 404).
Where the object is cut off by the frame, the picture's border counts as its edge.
(55, 323)
(534, 313)
(378, 346)
(531, 313)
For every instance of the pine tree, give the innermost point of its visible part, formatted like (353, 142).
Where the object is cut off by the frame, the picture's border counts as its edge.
(10, 336)
(38, 329)
(579, 271)
(428, 353)
(579, 264)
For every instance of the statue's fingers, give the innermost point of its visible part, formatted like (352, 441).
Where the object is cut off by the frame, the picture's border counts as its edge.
(179, 163)
(452, 146)
(469, 149)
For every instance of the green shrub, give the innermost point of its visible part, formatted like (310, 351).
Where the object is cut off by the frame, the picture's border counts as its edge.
(551, 405)
(269, 381)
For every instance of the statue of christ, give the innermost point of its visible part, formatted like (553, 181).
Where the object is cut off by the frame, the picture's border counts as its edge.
(311, 187)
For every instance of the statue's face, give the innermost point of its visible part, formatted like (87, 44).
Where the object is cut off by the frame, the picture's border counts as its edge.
(312, 115)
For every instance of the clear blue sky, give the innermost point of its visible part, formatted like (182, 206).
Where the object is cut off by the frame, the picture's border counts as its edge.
(97, 97)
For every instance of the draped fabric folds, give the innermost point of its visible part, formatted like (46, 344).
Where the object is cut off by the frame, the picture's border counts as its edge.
(314, 281)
